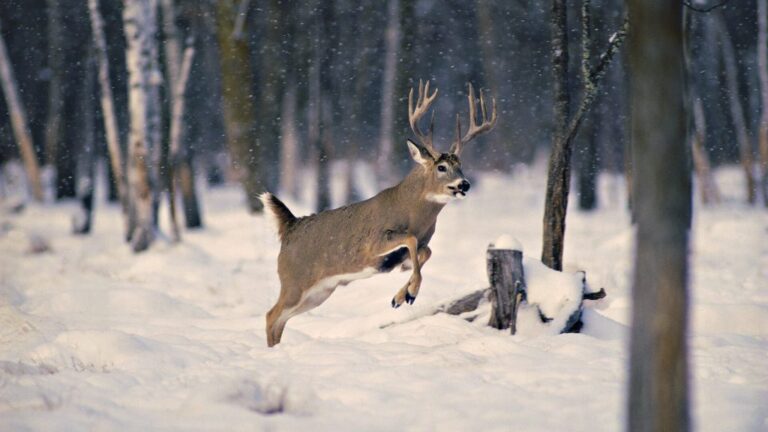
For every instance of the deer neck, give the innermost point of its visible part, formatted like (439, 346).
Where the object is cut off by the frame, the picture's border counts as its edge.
(411, 192)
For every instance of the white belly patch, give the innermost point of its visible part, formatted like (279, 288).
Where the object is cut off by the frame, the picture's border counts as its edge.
(320, 291)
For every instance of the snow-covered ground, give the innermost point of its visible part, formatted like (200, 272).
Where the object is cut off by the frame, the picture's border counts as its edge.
(93, 337)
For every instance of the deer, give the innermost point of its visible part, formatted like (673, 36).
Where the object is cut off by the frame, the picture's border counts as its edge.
(332, 248)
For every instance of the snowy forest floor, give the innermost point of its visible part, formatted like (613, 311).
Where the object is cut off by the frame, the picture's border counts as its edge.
(93, 337)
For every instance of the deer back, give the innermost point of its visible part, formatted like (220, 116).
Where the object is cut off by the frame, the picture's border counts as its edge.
(352, 238)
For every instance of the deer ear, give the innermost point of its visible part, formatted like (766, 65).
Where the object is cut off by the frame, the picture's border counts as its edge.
(419, 153)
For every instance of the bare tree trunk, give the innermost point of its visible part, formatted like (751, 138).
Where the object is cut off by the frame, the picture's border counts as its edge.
(558, 173)
(737, 110)
(289, 156)
(320, 115)
(56, 48)
(392, 44)
(355, 115)
(324, 154)
(19, 123)
(178, 68)
(566, 126)
(172, 51)
(762, 71)
(709, 190)
(140, 21)
(658, 390)
(271, 67)
(589, 163)
(485, 27)
(238, 103)
(86, 160)
(176, 152)
(108, 106)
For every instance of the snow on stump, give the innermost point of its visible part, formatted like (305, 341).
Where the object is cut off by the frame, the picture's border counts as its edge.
(526, 296)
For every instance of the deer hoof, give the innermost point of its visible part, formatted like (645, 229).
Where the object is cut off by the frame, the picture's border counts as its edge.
(409, 298)
(395, 304)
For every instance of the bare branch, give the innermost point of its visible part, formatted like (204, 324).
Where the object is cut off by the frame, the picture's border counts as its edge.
(595, 76)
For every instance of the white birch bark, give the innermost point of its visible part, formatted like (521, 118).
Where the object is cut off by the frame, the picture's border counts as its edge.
(19, 123)
(139, 17)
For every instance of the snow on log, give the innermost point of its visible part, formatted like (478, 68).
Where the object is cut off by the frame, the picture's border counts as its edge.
(526, 296)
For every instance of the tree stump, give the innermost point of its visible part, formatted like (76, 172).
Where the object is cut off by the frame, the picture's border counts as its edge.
(509, 289)
(507, 279)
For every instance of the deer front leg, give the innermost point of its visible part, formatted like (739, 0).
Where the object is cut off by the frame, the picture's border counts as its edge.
(424, 254)
(408, 292)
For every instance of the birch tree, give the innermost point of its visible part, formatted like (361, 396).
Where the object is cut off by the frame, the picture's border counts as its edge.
(658, 384)
(140, 23)
(19, 122)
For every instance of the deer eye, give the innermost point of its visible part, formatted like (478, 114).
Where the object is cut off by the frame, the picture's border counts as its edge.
(442, 168)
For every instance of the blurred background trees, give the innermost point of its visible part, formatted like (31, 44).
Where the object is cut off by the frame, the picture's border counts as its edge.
(286, 96)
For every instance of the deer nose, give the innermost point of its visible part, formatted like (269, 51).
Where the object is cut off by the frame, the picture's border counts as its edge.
(464, 186)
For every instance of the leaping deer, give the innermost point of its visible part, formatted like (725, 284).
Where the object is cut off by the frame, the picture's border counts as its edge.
(335, 247)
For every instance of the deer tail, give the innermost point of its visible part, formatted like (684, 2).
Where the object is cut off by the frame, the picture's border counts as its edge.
(280, 213)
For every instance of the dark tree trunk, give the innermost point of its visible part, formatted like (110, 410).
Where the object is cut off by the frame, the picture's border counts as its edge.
(18, 116)
(389, 88)
(238, 103)
(566, 126)
(320, 93)
(56, 50)
(271, 88)
(289, 173)
(762, 62)
(186, 179)
(658, 386)
(354, 118)
(180, 166)
(737, 110)
(86, 159)
(558, 172)
(64, 144)
(116, 173)
(589, 163)
(406, 68)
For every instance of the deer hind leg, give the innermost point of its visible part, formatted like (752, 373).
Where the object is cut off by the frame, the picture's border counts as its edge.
(410, 290)
(280, 313)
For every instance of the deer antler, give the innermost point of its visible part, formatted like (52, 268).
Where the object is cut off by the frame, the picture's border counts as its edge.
(423, 103)
(475, 129)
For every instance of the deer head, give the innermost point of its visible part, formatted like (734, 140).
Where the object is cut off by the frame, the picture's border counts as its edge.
(443, 179)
